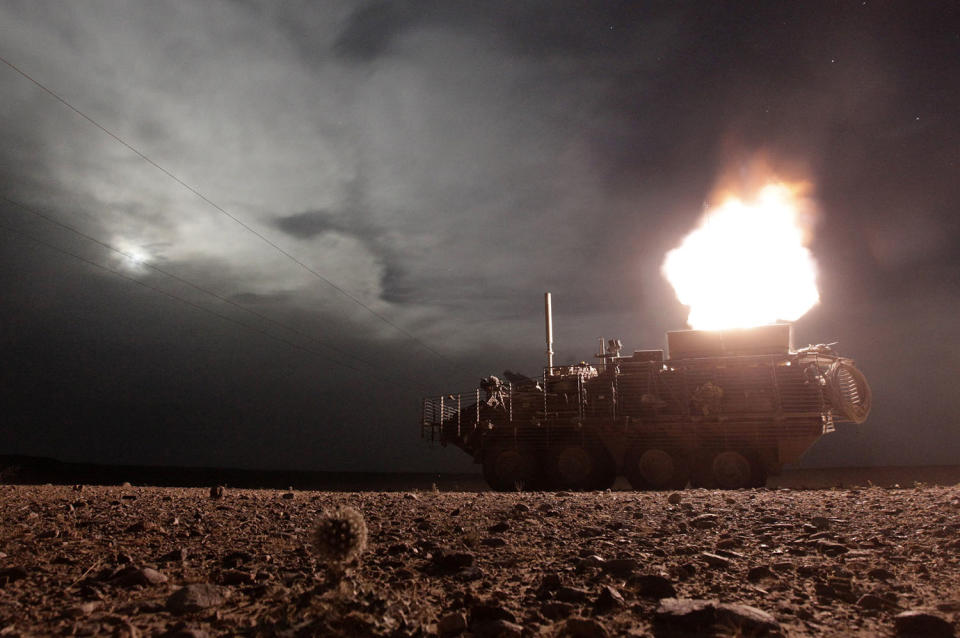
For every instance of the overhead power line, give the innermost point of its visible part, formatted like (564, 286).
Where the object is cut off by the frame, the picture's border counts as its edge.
(182, 280)
(235, 219)
(187, 302)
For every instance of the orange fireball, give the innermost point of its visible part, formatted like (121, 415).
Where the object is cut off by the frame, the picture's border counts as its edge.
(747, 264)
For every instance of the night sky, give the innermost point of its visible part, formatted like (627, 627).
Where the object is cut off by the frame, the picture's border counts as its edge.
(435, 167)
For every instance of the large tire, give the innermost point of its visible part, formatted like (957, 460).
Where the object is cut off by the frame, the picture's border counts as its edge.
(732, 470)
(656, 469)
(507, 469)
(760, 470)
(606, 474)
(572, 466)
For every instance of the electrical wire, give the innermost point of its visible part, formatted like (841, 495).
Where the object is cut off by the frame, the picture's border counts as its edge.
(182, 280)
(187, 302)
(218, 208)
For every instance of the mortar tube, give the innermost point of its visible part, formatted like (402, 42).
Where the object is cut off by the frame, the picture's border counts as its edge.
(548, 313)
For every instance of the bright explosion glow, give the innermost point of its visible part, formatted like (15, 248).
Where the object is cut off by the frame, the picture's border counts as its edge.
(747, 263)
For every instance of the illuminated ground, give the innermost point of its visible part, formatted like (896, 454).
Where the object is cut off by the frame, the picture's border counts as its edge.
(840, 561)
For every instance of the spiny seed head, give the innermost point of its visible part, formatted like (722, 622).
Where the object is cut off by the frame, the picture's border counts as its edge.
(341, 535)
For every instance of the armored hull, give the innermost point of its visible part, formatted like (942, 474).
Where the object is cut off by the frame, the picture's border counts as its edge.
(725, 410)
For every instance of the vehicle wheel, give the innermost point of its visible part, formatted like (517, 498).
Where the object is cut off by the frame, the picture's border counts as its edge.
(701, 473)
(507, 469)
(759, 478)
(606, 473)
(656, 469)
(731, 470)
(760, 472)
(575, 467)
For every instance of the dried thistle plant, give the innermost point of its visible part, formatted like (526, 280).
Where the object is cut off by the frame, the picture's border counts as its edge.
(340, 536)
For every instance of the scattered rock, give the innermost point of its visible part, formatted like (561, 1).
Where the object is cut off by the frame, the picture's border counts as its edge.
(715, 560)
(487, 612)
(675, 498)
(821, 523)
(123, 628)
(919, 623)
(451, 625)
(11, 574)
(196, 597)
(140, 527)
(728, 543)
(761, 572)
(499, 528)
(571, 595)
(83, 609)
(685, 571)
(702, 616)
(551, 582)
(469, 573)
(871, 601)
(749, 620)
(556, 610)
(454, 561)
(591, 561)
(880, 573)
(288, 496)
(577, 627)
(233, 559)
(175, 556)
(236, 577)
(808, 570)
(621, 567)
(216, 491)
(493, 541)
(609, 599)
(497, 629)
(832, 549)
(653, 586)
(704, 521)
(684, 614)
(138, 576)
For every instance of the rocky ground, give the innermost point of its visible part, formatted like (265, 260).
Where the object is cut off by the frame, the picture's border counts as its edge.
(136, 561)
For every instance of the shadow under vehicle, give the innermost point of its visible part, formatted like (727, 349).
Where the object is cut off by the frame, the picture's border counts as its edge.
(725, 410)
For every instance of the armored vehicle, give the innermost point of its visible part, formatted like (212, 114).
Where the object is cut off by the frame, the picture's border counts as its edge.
(724, 409)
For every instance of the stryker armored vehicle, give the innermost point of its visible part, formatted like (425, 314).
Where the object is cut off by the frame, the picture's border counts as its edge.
(725, 409)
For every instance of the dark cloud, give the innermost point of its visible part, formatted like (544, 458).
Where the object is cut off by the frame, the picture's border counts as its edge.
(309, 224)
(372, 27)
(395, 284)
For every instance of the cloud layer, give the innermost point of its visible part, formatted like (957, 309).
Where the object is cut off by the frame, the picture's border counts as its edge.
(445, 164)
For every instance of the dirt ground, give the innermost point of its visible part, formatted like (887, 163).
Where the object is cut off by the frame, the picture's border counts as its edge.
(134, 561)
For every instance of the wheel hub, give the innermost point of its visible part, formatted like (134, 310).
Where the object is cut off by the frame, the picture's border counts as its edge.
(574, 465)
(731, 470)
(512, 466)
(656, 467)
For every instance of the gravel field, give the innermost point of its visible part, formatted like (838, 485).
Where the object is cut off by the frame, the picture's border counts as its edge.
(132, 561)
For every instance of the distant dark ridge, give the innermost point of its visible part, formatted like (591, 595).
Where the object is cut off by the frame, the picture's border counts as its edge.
(31, 470)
